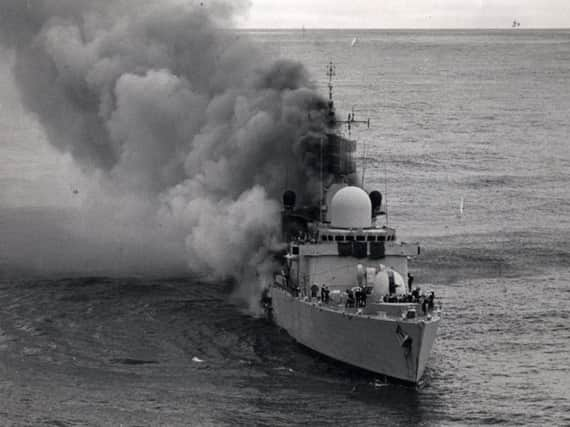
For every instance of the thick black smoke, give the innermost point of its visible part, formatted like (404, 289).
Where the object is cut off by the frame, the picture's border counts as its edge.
(189, 132)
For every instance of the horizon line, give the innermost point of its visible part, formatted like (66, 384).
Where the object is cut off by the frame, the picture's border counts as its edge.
(400, 28)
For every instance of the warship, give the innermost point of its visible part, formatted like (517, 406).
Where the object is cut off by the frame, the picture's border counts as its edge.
(343, 288)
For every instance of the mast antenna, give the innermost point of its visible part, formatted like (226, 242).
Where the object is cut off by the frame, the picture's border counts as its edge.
(332, 120)
(351, 119)
(331, 72)
(386, 191)
(364, 163)
(322, 198)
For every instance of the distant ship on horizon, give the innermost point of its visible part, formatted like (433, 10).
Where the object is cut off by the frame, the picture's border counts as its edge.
(516, 24)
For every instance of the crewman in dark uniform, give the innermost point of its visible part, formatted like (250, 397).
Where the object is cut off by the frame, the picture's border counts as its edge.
(358, 296)
(410, 282)
(314, 291)
(327, 294)
(350, 298)
(431, 299)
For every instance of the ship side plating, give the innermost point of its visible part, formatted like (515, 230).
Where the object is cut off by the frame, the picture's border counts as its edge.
(396, 348)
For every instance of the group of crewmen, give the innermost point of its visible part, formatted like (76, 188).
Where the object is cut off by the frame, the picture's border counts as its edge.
(325, 293)
(427, 301)
(415, 296)
(355, 297)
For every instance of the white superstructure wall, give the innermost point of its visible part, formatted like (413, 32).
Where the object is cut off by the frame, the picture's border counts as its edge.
(341, 272)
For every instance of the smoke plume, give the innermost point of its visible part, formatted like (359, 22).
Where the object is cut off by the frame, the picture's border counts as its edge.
(189, 133)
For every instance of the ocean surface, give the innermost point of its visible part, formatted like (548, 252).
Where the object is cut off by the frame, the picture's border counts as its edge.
(475, 116)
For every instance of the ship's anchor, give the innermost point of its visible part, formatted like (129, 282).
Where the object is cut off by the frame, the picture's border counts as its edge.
(405, 341)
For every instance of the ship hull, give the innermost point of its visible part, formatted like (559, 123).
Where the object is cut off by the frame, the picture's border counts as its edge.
(389, 346)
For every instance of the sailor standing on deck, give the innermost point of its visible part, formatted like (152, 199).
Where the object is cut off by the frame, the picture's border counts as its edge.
(410, 282)
(325, 294)
(349, 298)
(314, 291)
(359, 295)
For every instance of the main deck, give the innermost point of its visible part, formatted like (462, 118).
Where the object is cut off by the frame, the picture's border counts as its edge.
(405, 310)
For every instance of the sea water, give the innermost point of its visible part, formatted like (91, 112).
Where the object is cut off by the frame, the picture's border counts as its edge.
(469, 143)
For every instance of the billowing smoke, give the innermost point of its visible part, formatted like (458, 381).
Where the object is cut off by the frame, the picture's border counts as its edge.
(190, 134)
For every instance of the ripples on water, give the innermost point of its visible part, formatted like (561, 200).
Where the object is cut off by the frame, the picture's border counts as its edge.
(111, 351)
(455, 114)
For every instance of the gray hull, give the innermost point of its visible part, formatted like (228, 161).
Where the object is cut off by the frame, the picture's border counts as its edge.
(385, 345)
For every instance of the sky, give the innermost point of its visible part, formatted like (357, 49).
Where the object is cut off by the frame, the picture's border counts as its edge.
(406, 14)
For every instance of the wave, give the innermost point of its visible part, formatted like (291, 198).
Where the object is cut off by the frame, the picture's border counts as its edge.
(517, 254)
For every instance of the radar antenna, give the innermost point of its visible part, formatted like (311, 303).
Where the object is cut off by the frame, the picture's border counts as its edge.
(333, 122)
(351, 119)
(331, 72)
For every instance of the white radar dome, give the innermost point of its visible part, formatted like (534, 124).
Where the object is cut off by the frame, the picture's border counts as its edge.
(351, 208)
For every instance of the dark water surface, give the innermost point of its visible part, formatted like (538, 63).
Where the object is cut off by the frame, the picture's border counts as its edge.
(101, 351)
(476, 115)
